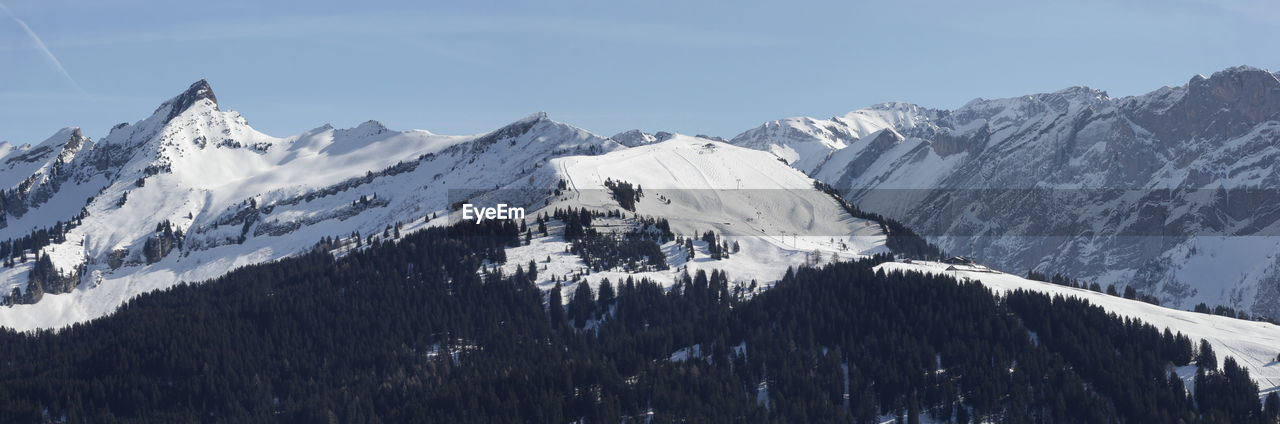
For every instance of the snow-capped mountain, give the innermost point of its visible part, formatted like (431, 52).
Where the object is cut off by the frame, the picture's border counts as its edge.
(193, 191)
(806, 143)
(1153, 191)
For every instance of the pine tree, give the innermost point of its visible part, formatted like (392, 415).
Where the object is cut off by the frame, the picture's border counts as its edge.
(962, 414)
(555, 306)
(1205, 358)
(582, 305)
(606, 297)
(1271, 407)
(913, 414)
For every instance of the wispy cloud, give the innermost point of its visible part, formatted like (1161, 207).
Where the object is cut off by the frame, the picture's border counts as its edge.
(422, 24)
(48, 54)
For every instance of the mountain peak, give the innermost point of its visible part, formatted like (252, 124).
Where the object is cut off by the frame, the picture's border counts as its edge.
(199, 90)
(63, 136)
(1236, 98)
(1082, 92)
(366, 131)
(633, 138)
(1235, 75)
(1240, 69)
(538, 116)
(372, 125)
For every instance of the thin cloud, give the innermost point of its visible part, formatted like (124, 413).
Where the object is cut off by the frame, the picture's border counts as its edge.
(423, 24)
(48, 54)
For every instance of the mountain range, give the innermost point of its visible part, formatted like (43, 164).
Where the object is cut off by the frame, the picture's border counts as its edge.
(193, 192)
(1131, 192)
(1170, 192)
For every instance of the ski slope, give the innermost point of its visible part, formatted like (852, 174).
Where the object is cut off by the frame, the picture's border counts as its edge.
(702, 185)
(749, 197)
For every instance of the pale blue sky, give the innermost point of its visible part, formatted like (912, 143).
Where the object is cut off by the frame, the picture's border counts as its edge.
(694, 67)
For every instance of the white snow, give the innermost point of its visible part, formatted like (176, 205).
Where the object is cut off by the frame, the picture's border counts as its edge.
(777, 218)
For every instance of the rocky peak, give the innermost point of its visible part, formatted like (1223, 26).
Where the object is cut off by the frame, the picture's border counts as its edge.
(1252, 92)
(540, 115)
(633, 138)
(366, 129)
(76, 141)
(199, 90)
(1222, 106)
(512, 130)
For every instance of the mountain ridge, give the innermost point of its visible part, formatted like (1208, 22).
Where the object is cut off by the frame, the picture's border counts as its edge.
(1214, 132)
(192, 189)
(215, 185)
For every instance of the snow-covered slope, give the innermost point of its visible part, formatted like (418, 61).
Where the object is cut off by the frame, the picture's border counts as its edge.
(1253, 344)
(1130, 191)
(192, 192)
(772, 211)
(708, 184)
(33, 175)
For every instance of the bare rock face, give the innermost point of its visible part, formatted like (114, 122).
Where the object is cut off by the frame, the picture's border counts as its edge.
(200, 90)
(947, 143)
(1225, 105)
(45, 278)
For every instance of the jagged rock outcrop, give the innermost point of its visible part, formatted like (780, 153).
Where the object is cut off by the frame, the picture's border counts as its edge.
(44, 278)
(165, 240)
(199, 90)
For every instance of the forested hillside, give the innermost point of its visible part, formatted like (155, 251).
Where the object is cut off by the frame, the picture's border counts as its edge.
(416, 331)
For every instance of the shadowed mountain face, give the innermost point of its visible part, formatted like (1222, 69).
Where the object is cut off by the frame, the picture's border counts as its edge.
(1174, 192)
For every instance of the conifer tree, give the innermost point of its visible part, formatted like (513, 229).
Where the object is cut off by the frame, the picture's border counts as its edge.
(606, 297)
(582, 305)
(555, 306)
(1205, 358)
